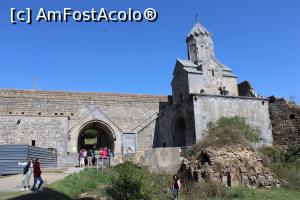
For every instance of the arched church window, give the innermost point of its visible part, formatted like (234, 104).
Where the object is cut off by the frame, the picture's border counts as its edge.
(193, 48)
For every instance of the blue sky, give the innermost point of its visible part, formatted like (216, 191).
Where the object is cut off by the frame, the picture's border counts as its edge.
(258, 39)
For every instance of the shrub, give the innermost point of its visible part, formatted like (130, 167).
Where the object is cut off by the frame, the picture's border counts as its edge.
(226, 131)
(236, 124)
(273, 153)
(285, 164)
(130, 182)
(293, 153)
(289, 171)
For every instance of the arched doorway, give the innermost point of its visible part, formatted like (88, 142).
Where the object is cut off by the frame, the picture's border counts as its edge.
(95, 135)
(179, 128)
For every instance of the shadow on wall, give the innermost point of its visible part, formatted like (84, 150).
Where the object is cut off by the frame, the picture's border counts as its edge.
(157, 137)
(175, 125)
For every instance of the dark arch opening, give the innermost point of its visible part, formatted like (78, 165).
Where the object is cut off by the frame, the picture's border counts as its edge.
(179, 132)
(95, 135)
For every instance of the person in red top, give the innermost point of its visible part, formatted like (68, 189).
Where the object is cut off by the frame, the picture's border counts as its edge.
(103, 153)
(37, 175)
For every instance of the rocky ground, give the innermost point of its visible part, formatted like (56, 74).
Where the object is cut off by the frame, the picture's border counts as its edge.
(232, 165)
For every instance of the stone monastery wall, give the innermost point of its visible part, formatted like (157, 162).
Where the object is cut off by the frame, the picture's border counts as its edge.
(47, 117)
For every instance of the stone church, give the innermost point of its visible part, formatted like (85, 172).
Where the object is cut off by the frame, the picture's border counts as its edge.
(203, 90)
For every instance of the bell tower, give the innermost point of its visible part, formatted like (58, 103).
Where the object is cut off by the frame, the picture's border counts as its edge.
(199, 45)
(202, 73)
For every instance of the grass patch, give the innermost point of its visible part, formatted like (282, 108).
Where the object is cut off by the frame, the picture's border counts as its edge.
(240, 193)
(92, 182)
(284, 163)
(207, 190)
(78, 183)
(265, 194)
(289, 172)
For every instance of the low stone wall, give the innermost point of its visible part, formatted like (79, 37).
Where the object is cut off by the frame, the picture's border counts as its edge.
(164, 159)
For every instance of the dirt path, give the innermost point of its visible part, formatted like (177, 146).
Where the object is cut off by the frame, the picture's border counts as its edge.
(14, 182)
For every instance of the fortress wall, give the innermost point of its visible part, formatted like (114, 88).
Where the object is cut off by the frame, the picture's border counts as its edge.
(209, 108)
(285, 118)
(47, 116)
(48, 132)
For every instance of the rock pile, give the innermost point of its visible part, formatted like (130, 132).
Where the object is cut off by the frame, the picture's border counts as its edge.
(232, 165)
(137, 158)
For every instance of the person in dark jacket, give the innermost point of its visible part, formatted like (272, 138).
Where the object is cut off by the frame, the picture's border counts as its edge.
(89, 158)
(176, 187)
(37, 175)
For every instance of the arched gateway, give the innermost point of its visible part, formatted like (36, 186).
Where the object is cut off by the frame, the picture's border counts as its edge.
(179, 131)
(95, 134)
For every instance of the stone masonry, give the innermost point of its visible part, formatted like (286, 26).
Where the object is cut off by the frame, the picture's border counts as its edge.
(53, 119)
(285, 117)
(203, 90)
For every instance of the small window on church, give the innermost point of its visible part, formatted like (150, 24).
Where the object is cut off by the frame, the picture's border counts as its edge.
(32, 142)
(212, 73)
(292, 116)
(199, 68)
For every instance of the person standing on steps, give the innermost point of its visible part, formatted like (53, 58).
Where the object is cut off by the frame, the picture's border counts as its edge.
(89, 158)
(27, 171)
(81, 158)
(176, 187)
(37, 175)
(85, 157)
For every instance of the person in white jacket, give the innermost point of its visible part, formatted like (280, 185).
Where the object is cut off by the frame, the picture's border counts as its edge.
(27, 171)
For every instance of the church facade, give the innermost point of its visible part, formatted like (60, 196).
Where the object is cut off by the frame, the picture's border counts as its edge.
(203, 90)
